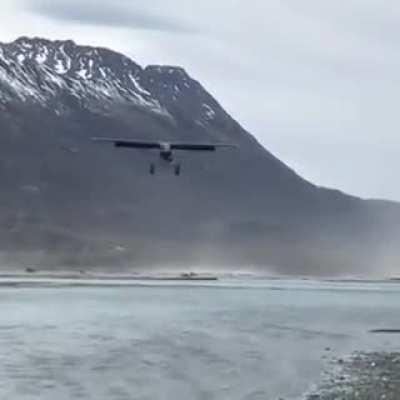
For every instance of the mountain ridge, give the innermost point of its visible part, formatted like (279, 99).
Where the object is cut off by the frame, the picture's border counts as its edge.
(245, 208)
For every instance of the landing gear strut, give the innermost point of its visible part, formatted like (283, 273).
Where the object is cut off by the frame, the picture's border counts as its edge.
(177, 169)
(152, 169)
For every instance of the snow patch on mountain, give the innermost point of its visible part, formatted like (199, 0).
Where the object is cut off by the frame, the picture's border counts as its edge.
(209, 112)
(48, 72)
(42, 71)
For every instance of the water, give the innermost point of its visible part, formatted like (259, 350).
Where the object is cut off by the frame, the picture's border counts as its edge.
(224, 340)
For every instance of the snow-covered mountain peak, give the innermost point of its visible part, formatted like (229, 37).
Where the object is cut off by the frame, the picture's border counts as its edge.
(42, 70)
(45, 71)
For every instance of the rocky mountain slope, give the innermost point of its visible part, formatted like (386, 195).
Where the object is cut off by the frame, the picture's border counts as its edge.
(67, 202)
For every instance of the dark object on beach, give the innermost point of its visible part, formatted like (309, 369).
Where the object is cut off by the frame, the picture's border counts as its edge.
(388, 331)
(190, 276)
(30, 270)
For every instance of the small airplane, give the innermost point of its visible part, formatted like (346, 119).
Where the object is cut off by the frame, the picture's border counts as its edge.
(166, 149)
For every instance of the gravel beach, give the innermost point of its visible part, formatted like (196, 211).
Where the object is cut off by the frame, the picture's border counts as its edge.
(364, 376)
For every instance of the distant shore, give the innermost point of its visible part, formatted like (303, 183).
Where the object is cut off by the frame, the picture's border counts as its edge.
(82, 275)
(33, 273)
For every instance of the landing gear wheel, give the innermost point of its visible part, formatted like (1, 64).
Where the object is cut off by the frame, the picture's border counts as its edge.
(177, 169)
(152, 169)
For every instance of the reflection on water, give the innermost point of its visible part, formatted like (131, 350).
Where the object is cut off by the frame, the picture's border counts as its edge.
(225, 340)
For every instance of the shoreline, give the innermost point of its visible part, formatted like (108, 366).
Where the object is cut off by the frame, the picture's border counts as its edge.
(106, 277)
(82, 276)
(180, 276)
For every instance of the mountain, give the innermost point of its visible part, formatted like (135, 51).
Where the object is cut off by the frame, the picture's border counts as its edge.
(67, 202)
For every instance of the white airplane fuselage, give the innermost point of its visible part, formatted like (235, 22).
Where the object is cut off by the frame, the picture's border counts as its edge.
(166, 153)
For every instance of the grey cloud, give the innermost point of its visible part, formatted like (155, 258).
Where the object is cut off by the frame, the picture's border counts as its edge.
(373, 19)
(113, 14)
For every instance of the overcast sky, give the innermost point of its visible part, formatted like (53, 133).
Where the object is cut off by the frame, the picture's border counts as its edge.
(318, 83)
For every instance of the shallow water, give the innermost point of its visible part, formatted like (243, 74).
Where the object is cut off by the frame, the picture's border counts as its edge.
(257, 339)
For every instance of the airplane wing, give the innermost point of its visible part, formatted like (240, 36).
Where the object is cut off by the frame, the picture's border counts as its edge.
(143, 144)
(134, 144)
(199, 146)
